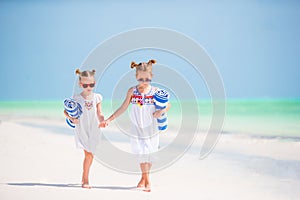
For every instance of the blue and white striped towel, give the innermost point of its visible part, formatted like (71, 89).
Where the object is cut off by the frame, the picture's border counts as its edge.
(73, 109)
(161, 99)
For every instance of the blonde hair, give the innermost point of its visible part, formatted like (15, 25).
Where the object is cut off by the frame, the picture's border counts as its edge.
(145, 67)
(85, 73)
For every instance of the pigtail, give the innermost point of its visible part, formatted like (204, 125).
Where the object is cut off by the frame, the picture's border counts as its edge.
(78, 72)
(93, 72)
(143, 66)
(150, 62)
(133, 64)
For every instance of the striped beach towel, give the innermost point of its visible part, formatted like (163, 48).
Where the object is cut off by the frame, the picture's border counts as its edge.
(161, 99)
(73, 109)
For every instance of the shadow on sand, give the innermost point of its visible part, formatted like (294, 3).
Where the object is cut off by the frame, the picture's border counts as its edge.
(59, 185)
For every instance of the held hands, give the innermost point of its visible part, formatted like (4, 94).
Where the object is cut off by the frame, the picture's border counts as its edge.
(103, 124)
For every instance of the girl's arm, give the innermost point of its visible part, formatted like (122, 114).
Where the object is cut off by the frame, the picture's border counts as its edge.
(99, 112)
(121, 109)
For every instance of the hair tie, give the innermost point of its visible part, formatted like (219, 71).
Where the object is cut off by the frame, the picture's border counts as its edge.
(151, 62)
(133, 64)
(77, 72)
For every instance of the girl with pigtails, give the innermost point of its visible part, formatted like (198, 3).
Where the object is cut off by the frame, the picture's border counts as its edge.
(87, 127)
(143, 114)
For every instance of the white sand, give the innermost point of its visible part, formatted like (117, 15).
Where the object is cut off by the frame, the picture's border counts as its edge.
(43, 163)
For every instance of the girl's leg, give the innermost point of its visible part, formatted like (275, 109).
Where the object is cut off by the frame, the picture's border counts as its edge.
(141, 184)
(88, 159)
(145, 180)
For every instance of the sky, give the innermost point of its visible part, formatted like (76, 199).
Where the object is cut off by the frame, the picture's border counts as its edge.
(255, 45)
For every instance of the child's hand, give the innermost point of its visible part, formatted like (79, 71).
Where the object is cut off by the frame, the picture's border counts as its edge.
(75, 121)
(103, 124)
(157, 113)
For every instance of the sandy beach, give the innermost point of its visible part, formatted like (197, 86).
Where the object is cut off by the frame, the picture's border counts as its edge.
(230, 65)
(41, 162)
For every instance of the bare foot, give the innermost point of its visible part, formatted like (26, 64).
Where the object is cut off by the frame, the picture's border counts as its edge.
(86, 185)
(147, 187)
(141, 184)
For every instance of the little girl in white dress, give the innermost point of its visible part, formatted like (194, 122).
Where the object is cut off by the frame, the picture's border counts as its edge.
(144, 129)
(87, 127)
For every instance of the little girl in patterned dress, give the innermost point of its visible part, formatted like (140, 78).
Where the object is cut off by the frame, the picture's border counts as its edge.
(144, 140)
(87, 127)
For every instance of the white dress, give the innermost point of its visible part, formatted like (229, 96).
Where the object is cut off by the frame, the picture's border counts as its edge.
(87, 133)
(144, 138)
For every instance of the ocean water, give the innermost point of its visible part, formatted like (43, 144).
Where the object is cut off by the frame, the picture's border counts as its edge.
(264, 117)
(260, 117)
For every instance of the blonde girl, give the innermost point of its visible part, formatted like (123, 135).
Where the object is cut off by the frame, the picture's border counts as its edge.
(144, 140)
(87, 129)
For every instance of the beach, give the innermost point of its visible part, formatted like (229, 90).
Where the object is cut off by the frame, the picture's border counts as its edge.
(39, 161)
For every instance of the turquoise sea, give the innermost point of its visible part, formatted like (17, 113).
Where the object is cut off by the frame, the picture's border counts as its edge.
(278, 118)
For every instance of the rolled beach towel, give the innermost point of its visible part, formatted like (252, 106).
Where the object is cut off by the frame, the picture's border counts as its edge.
(161, 99)
(73, 109)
